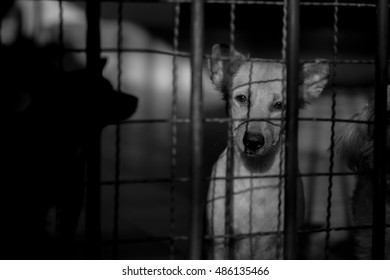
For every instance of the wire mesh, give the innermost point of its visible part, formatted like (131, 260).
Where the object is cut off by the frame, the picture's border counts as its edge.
(229, 235)
(282, 155)
(229, 196)
(174, 126)
(332, 137)
(174, 121)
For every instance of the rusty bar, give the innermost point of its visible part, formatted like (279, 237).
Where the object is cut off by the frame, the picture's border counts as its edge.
(92, 233)
(292, 60)
(380, 132)
(196, 218)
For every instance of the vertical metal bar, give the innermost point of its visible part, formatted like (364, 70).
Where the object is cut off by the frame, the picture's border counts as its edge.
(58, 228)
(380, 132)
(119, 43)
(282, 154)
(196, 218)
(282, 163)
(229, 205)
(61, 33)
(94, 133)
(172, 191)
(332, 133)
(292, 57)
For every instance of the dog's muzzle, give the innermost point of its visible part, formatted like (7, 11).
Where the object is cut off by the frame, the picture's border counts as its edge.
(253, 142)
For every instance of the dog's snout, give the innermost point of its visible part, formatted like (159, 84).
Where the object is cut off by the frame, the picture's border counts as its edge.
(253, 141)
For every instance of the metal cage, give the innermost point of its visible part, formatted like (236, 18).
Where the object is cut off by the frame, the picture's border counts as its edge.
(97, 243)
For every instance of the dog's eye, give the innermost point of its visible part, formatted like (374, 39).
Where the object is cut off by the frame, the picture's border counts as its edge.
(278, 106)
(241, 99)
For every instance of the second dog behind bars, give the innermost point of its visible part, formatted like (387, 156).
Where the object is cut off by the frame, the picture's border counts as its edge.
(255, 89)
(355, 145)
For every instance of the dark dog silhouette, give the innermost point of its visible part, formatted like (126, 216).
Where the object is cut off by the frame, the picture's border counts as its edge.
(43, 148)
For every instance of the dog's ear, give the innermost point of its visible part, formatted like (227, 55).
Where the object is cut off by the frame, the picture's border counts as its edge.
(223, 63)
(313, 79)
(354, 142)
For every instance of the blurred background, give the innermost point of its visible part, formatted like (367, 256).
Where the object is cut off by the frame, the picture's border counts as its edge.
(149, 207)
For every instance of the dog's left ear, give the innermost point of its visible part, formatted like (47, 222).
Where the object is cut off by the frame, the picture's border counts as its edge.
(313, 79)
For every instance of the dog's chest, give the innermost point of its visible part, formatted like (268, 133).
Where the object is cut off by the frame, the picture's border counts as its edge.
(257, 201)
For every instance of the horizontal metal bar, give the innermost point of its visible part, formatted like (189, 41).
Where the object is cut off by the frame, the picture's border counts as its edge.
(152, 51)
(143, 121)
(280, 3)
(208, 237)
(146, 240)
(246, 190)
(146, 181)
(349, 228)
(335, 120)
(188, 55)
(318, 174)
(188, 179)
(185, 238)
(239, 2)
(226, 120)
(300, 231)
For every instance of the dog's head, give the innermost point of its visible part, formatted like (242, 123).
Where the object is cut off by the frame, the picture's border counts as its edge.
(102, 106)
(254, 90)
(355, 141)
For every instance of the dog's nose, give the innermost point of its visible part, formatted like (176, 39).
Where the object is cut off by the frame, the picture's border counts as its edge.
(253, 141)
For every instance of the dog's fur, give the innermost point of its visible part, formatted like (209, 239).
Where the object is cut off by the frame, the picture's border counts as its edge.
(355, 145)
(257, 148)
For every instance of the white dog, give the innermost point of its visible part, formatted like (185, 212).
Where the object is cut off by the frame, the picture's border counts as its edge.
(355, 145)
(255, 89)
